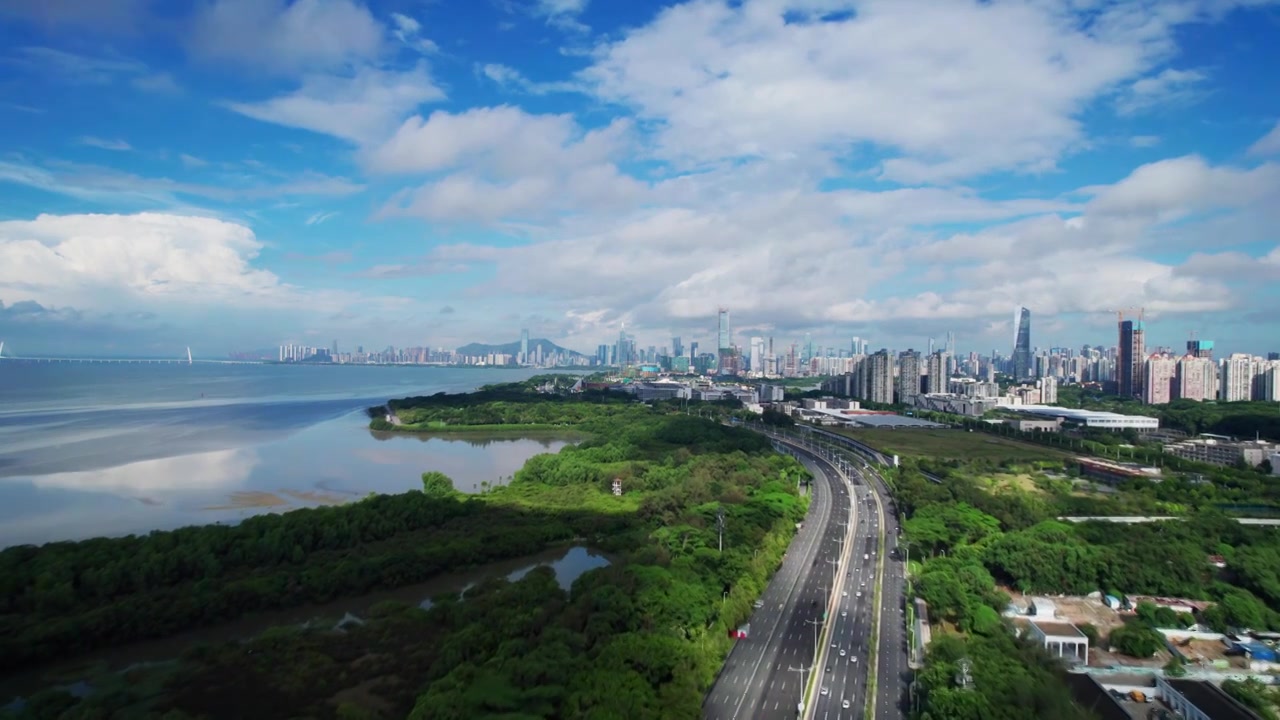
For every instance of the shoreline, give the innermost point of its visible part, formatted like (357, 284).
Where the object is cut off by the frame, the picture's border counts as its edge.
(397, 428)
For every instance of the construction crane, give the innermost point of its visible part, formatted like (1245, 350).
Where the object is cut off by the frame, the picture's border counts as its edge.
(1120, 313)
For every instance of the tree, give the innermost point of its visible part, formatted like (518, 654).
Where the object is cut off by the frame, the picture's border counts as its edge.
(1136, 639)
(437, 484)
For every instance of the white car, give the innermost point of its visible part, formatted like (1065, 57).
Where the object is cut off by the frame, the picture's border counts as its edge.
(842, 653)
(824, 690)
(844, 613)
(859, 593)
(844, 704)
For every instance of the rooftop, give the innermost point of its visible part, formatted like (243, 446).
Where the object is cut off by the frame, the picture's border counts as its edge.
(1058, 629)
(1069, 413)
(1212, 700)
(1093, 697)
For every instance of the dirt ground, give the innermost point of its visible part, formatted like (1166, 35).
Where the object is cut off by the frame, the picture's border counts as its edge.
(1080, 610)
(1075, 610)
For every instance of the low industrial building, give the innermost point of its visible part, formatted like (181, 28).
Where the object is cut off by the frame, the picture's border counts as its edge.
(1054, 425)
(1219, 450)
(1095, 419)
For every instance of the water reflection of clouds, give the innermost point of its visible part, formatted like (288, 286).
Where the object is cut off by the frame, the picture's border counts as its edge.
(217, 470)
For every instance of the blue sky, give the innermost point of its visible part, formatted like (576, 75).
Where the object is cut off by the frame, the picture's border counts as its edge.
(235, 174)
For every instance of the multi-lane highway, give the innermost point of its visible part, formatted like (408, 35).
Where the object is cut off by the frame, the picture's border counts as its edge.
(822, 608)
(761, 678)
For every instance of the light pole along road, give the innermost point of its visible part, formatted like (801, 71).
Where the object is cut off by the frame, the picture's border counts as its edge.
(868, 605)
(893, 674)
(759, 679)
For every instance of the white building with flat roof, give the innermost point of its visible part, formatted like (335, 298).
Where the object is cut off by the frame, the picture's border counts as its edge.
(1099, 419)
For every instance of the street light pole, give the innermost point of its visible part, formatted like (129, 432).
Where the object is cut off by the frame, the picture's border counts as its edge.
(815, 624)
(802, 670)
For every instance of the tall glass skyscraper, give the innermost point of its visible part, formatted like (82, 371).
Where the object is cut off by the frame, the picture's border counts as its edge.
(1131, 357)
(1022, 347)
(725, 337)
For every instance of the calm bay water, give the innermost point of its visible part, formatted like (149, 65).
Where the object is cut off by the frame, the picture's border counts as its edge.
(107, 449)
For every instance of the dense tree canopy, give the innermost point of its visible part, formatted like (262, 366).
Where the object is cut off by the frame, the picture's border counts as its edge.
(641, 638)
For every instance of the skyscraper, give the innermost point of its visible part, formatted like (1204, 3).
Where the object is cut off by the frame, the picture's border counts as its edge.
(524, 346)
(724, 345)
(908, 377)
(1131, 359)
(1022, 347)
(677, 347)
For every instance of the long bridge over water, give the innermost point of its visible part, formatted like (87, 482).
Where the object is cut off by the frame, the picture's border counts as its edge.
(187, 360)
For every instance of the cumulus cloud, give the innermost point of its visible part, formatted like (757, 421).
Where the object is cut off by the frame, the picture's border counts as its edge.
(952, 89)
(82, 260)
(860, 252)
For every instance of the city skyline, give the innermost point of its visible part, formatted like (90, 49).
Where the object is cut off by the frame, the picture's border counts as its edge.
(210, 175)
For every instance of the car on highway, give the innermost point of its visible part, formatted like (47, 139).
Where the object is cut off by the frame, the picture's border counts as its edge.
(842, 652)
(844, 613)
(844, 704)
(759, 604)
(859, 593)
(824, 690)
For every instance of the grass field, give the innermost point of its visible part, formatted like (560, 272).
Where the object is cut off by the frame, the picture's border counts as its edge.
(950, 444)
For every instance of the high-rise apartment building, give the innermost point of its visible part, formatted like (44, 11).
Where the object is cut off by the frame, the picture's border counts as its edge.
(880, 377)
(908, 377)
(1022, 347)
(936, 375)
(1158, 379)
(1048, 389)
(1131, 359)
(1237, 378)
(524, 346)
(1196, 379)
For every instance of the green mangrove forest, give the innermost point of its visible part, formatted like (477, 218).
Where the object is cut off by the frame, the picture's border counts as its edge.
(641, 638)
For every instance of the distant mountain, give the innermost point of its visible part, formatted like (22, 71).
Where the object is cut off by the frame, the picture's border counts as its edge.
(513, 348)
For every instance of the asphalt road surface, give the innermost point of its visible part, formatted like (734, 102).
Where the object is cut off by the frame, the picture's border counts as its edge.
(757, 681)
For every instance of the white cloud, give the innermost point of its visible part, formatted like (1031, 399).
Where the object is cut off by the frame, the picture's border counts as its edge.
(503, 139)
(510, 164)
(722, 238)
(320, 217)
(80, 260)
(409, 32)
(1169, 87)
(511, 78)
(361, 108)
(105, 185)
(287, 36)
(562, 13)
(118, 145)
(956, 89)
(1144, 141)
(1268, 144)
